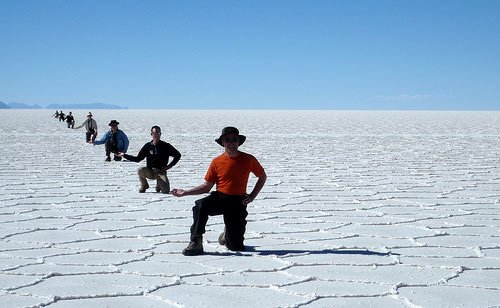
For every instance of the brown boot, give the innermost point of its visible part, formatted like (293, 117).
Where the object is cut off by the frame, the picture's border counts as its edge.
(194, 248)
(143, 188)
(222, 238)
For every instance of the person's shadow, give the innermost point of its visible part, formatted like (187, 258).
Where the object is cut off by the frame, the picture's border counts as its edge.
(283, 252)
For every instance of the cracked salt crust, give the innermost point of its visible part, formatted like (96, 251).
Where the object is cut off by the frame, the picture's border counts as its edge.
(379, 209)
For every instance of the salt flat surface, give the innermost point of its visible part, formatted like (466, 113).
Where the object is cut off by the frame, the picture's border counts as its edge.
(379, 209)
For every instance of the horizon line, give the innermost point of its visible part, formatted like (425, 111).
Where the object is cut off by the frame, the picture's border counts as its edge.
(264, 109)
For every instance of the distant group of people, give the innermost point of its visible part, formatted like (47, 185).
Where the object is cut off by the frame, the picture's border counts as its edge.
(90, 124)
(229, 172)
(70, 119)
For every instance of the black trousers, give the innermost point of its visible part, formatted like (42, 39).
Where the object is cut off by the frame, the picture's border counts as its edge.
(90, 137)
(233, 211)
(111, 147)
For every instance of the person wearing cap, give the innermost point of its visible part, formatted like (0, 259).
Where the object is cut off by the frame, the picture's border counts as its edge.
(230, 172)
(116, 141)
(90, 128)
(157, 153)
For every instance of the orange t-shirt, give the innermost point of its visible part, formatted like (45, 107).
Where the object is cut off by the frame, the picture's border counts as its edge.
(230, 174)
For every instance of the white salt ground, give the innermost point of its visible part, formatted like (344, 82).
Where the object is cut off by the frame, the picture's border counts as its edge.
(378, 209)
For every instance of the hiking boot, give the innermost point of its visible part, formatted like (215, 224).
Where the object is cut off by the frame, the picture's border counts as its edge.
(143, 188)
(117, 158)
(194, 248)
(222, 238)
(158, 189)
(108, 159)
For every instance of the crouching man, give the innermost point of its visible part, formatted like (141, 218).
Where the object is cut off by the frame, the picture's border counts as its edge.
(115, 140)
(157, 153)
(229, 172)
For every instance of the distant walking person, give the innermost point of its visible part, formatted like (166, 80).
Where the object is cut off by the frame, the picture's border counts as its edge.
(157, 153)
(62, 116)
(90, 128)
(229, 172)
(116, 141)
(70, 120)
(56, 115)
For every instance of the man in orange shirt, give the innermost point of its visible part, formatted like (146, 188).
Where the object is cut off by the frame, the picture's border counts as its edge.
(229, 172)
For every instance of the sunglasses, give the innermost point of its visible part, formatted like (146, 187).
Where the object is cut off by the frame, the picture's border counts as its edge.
(235, 139)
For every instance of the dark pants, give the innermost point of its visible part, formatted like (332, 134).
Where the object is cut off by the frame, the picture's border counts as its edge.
(233, 211)
(90, 136)
(111, 147)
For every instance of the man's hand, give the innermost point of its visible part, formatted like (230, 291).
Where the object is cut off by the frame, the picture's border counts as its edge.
(247, 200)
(178, 192)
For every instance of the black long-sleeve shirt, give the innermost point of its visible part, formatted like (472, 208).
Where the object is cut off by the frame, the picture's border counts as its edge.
(156, 155)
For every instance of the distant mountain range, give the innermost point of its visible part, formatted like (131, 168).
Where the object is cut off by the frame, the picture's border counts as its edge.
(18, 106)
(84, 106)
(60, 106)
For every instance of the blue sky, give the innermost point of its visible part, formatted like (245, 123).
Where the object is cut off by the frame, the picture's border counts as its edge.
(309, 54)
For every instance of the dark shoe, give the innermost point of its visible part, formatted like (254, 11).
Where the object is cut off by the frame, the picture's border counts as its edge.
(158, 189)
(223, 242)
(143, 188)
(222, 239)
(117, 158)
(108, 159)
(194, 248)
(240, 248)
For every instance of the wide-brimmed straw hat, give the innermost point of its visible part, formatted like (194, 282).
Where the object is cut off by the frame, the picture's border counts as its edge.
(230, 130)
(113, 122)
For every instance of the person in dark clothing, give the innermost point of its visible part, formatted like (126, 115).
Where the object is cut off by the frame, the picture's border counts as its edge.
(115, 141)
(70, 119)
(62, 116)
(157, 153)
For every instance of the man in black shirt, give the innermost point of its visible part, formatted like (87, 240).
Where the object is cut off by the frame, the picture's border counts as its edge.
(70, 119)
(157, 153)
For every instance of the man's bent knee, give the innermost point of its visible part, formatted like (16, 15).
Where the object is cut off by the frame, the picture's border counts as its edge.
(145, 172)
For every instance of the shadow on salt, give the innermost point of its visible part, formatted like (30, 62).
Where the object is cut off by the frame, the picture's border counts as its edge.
(290, 252)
